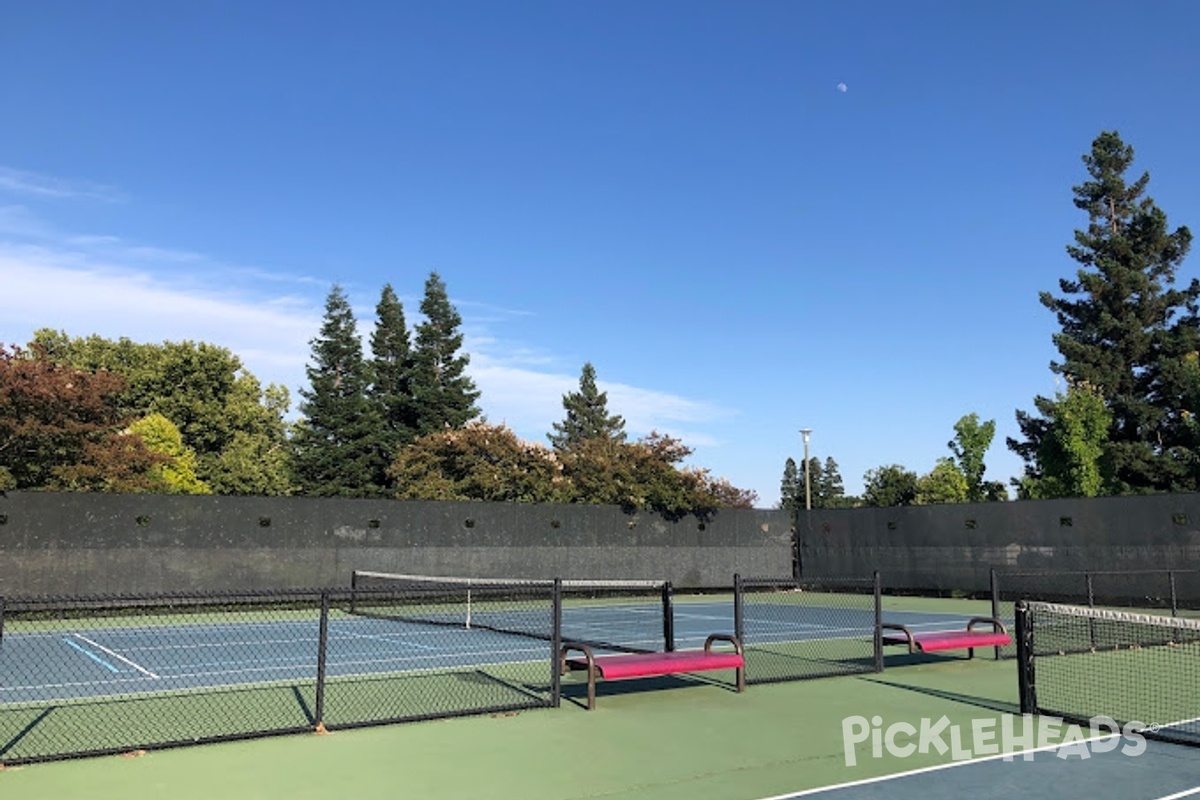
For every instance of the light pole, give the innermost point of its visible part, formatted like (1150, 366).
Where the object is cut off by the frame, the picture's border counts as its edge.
(807, 482)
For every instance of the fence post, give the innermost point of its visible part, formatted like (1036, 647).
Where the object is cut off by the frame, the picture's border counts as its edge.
(322, 646)
(556, 664)
(994, 585)
(878, 623)
(738, 623)
(668, 606)
(1170, 578)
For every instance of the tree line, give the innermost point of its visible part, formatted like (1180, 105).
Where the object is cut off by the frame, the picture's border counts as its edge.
(402, 421)
(1125, 420)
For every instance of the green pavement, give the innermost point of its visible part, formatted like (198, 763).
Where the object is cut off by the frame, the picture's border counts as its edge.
(653, 740)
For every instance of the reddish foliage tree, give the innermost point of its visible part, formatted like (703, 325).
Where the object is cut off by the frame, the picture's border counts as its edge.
(60, 428)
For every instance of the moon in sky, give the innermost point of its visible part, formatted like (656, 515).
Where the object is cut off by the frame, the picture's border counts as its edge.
(841, 87)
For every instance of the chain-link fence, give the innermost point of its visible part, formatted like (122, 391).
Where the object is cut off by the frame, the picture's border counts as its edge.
(97, 675)
(795, 629)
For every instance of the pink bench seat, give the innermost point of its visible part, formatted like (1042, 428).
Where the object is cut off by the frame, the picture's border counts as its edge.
(935, 641)
(621, 666)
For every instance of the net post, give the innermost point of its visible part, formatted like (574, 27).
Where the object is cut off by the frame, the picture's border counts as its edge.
(322, 648)
(738, 623)
(668, 607)
(1025, 684)
(994, 585)
(556, 643)
(878, 644)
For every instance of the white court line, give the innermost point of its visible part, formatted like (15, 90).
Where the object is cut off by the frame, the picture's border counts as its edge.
(1185, 793)
(116, 655)
(386, 640)
(1013, 755)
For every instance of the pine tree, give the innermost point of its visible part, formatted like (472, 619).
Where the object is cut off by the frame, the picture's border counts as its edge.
(391, 377)
(444, 395)
(833, 489)
(791, 488)
(337, 444)
(587, 416)
(1125, 331)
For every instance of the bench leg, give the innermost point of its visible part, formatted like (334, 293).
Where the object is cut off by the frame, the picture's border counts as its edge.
(591, 669)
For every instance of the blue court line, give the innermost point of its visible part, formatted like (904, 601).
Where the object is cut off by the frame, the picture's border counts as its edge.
(90, 655)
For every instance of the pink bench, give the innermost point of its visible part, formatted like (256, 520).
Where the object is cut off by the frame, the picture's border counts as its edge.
(935, 641)
(620, 666)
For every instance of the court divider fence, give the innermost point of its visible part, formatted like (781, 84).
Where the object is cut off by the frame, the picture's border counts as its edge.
(800, 628)
(115, 674)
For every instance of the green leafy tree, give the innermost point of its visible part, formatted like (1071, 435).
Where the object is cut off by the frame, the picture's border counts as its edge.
(945, 483)
(1072, 459)
(337, 445)
(391, 375)
(219, 407)
(178, 473)
(1125, 330)
(890, 485)
(587, 415)
(971, 441)
(256, 459)
(444, 395)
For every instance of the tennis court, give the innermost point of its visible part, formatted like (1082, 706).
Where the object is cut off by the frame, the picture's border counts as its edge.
(783, 740)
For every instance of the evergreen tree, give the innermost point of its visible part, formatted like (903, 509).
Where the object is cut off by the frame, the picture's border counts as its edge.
(587, 416)
(833, 490)
(337, 444)
(812, 478)
(444, 395)
(1125, 331)
(791, 489)
(391, 377)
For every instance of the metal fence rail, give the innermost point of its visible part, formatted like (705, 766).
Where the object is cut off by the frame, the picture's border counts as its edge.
(98, 675)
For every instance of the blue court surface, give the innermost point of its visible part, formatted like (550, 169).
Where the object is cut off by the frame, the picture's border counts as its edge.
(65, 663)
(1160, 772)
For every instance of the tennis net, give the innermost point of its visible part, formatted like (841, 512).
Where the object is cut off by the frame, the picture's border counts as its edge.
(1080, 663)
(622, 615)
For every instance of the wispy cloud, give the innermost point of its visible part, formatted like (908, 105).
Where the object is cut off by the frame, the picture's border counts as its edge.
(82, 295)
(47, 186)
(105, 285)
(530, 401)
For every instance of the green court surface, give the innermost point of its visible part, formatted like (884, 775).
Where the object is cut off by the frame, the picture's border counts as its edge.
(668, 739)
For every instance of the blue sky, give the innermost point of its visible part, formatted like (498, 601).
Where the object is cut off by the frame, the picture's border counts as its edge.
(678, 192)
